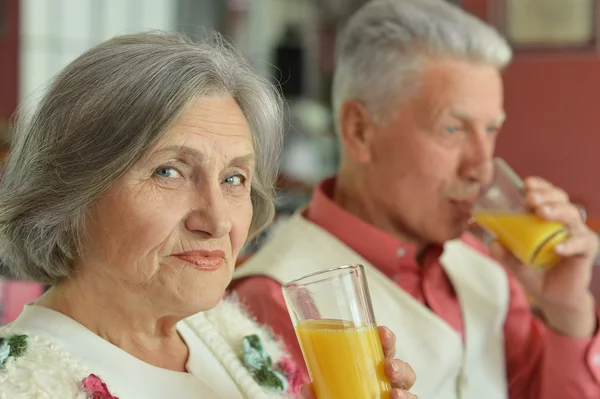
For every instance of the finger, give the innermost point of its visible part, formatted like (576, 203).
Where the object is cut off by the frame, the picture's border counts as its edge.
(400, 374)
(537, 198)
(388, 341)
(402, 394)
(307, 392)
(581, 244)
(565, 213)
(536, 183)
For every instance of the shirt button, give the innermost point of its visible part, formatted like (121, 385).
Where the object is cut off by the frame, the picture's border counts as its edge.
(596, 360)
(400, 252)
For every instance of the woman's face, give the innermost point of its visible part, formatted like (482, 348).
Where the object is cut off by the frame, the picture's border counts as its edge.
(171, 228)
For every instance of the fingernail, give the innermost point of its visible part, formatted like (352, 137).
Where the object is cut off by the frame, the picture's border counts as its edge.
(395, 367)
(396, 394)
(560, 248)
(304, 391)
(387, 332)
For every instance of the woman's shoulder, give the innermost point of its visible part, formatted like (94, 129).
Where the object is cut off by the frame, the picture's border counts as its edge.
(241, 342)
(234, 324)
(31, 365)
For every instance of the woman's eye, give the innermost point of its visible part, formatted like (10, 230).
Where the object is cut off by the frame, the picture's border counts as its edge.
(451, 129)
(167, 173)
(235, 180)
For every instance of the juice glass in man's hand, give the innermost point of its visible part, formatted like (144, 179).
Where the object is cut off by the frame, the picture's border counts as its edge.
(503, 212)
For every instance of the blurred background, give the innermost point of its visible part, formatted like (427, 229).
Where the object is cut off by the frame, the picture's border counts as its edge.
(552, 87)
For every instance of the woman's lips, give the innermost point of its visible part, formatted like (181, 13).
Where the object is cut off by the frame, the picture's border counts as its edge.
(203, 260)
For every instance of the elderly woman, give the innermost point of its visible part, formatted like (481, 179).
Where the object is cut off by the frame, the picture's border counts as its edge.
(131, 191)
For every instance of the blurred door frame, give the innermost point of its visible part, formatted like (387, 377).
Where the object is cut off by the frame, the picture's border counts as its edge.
(9, 50)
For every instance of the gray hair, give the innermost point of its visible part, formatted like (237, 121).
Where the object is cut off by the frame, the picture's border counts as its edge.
(99, 116)
(383, 45)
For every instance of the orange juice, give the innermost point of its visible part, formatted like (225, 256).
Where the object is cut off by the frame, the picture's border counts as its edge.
(344, 361)
(530, 238)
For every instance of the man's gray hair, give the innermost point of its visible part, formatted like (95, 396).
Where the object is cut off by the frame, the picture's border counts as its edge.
(99, 116)
(382, 46)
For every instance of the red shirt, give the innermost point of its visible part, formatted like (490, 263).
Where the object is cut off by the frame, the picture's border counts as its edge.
(540, 363)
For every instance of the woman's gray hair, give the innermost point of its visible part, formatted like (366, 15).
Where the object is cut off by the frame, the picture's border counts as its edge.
(382, 46)
(99, 116)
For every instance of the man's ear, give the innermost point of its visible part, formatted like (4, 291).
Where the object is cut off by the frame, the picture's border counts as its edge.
(356, 130)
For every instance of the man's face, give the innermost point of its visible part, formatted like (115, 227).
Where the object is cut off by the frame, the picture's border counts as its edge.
(428, 163)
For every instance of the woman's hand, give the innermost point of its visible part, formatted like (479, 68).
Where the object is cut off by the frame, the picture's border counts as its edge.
(401, 375)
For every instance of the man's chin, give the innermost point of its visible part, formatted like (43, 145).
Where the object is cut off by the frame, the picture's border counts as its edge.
(453, 232)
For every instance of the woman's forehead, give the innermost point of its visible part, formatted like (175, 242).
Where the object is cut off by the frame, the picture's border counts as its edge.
(216, 112)
(206, 124)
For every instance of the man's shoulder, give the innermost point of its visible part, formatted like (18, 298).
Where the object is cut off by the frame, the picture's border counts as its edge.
(292, 246)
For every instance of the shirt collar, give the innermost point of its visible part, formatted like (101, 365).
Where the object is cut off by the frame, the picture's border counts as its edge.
(381, 249)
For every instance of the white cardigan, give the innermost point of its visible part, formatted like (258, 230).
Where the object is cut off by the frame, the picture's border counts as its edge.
(61, 353)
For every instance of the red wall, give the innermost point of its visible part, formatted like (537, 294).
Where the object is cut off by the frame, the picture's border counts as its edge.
(553, 125)
(478, 8)
(9, 55)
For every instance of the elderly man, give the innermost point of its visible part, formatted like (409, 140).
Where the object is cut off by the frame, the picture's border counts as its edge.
(418, 102)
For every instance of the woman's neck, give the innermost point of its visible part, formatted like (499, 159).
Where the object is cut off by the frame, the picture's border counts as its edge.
(121, 318)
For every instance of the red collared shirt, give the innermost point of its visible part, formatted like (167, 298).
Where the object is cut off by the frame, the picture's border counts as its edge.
(540, 363)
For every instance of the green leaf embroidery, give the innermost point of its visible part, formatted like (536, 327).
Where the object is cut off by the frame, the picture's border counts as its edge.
(13, 346)
(259, 363)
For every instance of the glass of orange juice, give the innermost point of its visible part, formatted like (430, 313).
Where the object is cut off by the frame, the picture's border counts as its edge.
(502, 211)
(335, 325)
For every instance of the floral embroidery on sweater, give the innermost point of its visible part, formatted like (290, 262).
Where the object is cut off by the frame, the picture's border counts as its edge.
(292, 374)
(260, 365)
(283, 376)
(12, 346)
(95, 388)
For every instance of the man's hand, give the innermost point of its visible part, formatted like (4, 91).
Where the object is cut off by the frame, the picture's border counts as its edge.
(562, 291)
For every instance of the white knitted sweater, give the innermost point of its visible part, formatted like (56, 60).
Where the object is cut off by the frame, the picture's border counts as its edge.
(45, 370)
